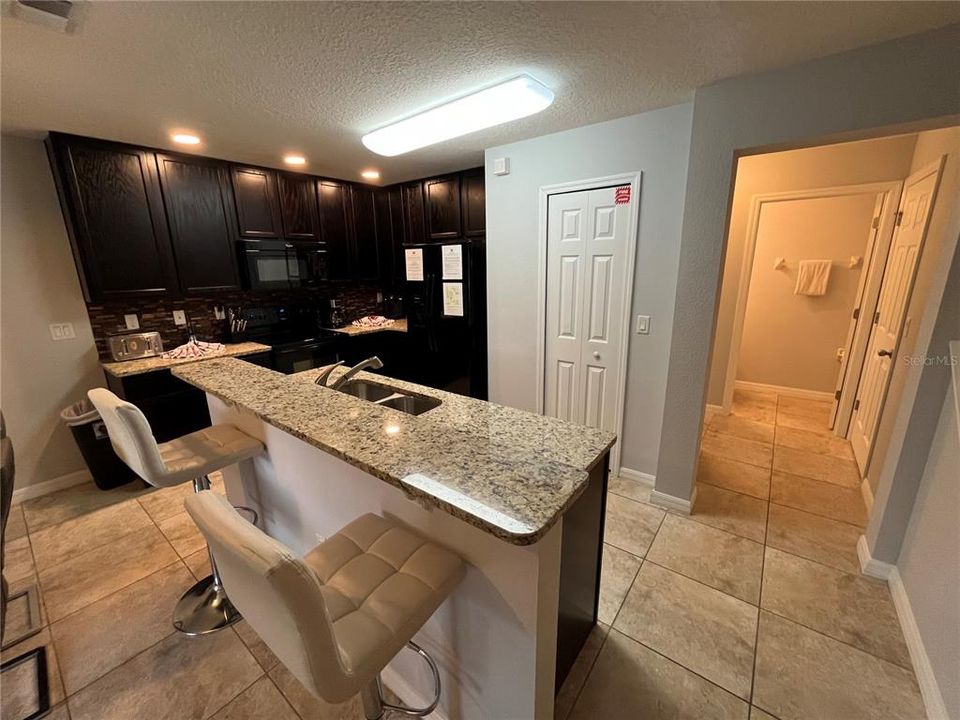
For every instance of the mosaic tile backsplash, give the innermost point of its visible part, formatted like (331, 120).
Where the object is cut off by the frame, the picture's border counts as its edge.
(157, 314)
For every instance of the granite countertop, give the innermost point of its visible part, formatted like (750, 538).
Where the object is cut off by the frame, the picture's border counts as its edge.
(509, 472)
(399, 325)
(145, 365)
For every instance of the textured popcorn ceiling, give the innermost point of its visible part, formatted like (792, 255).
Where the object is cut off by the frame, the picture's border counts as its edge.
(256, 80)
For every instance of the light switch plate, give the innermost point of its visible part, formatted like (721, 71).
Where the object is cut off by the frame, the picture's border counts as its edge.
(62, 331)
(132, 321)
(643, 324)
(501, 166)
(179, 317)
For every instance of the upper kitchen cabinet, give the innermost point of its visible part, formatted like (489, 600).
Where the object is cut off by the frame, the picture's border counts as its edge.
(199, 205)
(335, 211)
(473, 201)
(443, 207)
(298, 207)
(388, 204)
(113, 210)
(364, 248)
(258, 204)
(414, 225)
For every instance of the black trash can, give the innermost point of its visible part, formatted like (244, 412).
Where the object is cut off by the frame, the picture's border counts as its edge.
(107, 469)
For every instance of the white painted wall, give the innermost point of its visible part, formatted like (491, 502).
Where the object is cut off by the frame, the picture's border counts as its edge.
(39, 286)
(895, 85)
(655, 143)
(928, 564)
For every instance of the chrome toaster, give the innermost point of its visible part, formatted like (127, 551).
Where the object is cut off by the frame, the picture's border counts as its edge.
(134, 346)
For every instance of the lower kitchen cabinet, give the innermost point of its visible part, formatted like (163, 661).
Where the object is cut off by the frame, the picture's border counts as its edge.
(171, 406)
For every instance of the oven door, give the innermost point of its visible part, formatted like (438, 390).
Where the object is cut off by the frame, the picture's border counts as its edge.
(268, 264)
(305, 357)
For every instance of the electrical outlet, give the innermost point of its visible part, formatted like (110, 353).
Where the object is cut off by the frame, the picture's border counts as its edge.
(62, 331)
(643, 324)
(219, 313)
(379, 297)
(132, 321)
(179, 317)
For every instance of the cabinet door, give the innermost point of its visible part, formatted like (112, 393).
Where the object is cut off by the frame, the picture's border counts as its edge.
(414, 226)
(196, 194)
(334, 223)
(258, 205)
(113, 210)
(387, 205)
(298, 207)
(443, 207)
(364, 250)
(473, 201)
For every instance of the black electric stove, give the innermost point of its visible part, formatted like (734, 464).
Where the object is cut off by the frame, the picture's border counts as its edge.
(296, 334)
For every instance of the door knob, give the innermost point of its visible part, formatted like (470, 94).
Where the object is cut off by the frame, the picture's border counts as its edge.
(884, 353)
(596, 355)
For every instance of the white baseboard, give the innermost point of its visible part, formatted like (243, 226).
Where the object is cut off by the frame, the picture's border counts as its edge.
(49, 486)
(784, 390)
(637, 476)
(869, 565)
(672, 502)
(867, 493)
(929, 688)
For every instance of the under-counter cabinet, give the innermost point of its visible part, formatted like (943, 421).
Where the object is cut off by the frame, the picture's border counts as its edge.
(258, 204)
(113, 210)
(199, 205)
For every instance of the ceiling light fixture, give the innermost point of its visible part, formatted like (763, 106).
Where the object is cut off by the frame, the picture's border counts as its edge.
(186, 139)
(294, 159)
(510, 100)
(370, 174)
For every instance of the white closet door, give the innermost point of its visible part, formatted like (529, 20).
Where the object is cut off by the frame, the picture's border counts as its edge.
(587, 241)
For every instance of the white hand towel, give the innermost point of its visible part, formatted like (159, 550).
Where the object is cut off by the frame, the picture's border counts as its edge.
(813, 276)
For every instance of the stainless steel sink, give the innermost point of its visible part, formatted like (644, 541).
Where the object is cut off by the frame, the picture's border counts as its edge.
(365, 390)
(410, 404)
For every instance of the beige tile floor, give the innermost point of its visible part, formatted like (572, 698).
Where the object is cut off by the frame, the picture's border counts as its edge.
(751, 607)
(754, 605)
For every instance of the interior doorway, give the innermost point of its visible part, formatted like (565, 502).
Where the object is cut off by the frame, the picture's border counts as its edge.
(587, 249)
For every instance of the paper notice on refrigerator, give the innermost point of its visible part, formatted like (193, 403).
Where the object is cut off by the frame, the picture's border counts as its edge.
(453, 299)
(414, 261)
(452, 262)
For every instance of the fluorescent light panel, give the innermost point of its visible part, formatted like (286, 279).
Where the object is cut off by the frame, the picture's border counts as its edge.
(510, 100)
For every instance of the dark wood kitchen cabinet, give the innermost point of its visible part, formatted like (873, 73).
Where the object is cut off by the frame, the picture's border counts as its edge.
(442, 198)
(388, 206)
(298, 207)
(199, 205)
(335, 210)
(258, 203)
(414, 225)
(364, 248)
(473, 202)
(113, 209)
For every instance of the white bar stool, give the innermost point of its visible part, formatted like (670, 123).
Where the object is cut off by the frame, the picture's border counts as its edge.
(205, 607)
(339, 614)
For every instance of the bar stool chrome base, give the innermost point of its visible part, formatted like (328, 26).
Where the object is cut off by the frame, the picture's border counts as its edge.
(204, 609)
(374, 707)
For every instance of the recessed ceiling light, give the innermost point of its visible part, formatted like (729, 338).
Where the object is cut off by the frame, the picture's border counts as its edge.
(501, 103)
(370, 174)
(186, 139)
(294, 159)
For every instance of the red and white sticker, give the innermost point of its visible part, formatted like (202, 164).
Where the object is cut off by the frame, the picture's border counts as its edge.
(622, 195)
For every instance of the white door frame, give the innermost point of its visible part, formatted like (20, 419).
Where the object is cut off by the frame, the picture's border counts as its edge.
(633, 225)
(890, 189)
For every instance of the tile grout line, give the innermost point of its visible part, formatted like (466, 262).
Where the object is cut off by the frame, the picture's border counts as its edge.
(774, 502)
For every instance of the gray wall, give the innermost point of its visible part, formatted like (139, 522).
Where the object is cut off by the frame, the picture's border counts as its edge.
(39, 286)
(839, 97)
(928, 563)
(655, 143)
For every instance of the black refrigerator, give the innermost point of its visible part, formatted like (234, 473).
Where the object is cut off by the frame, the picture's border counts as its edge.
(447, 350)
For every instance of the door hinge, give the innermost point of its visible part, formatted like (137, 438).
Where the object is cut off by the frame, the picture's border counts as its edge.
(876, 222)
(876, 317)
(899, 217)
(856, 404)
(836, 395)
(856, 313)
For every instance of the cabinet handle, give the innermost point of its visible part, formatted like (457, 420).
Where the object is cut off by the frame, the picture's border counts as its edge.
(884, 353)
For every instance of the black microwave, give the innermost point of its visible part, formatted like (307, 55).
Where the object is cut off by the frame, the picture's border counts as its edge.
(277, 264)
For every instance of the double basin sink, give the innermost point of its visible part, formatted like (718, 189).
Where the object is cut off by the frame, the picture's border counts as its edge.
(389, 397)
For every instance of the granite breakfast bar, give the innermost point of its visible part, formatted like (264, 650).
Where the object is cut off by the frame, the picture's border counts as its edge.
(520, 496)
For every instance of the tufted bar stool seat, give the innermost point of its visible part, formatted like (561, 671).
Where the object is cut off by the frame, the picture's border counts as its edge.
(205, 607)
(338, 615)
